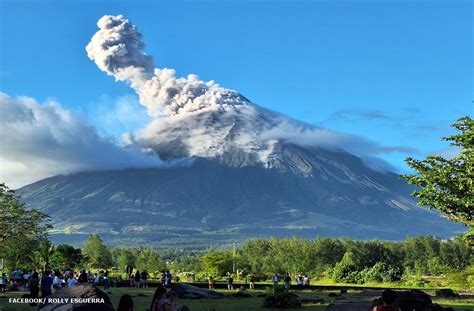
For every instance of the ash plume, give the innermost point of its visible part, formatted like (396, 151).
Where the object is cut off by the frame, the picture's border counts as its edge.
(199, 118)
(117, 49)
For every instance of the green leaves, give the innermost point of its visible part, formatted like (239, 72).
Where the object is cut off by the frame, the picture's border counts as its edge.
(23, 231)
(17, 221)
(98, 255)
(447, 184)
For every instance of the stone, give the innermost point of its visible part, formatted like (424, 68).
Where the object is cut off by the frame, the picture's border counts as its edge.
(445, 293)
(186, 291)
(83, 291)
(413, 300)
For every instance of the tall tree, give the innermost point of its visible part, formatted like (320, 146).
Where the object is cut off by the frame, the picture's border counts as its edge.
(65, 256)
(23, 231)
(96, 253)
(447, 184)
(17, 221)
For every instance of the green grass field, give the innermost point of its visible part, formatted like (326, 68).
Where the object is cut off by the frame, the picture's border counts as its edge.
(142, 298)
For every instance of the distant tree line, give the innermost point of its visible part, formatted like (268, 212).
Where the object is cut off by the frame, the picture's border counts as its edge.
(343, 260)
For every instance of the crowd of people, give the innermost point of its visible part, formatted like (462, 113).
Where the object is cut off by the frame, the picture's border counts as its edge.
(49, 281)
(140, 279)
(302, 281)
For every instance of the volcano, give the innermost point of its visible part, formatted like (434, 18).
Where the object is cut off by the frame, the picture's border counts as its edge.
(233, 186)
(232, 170)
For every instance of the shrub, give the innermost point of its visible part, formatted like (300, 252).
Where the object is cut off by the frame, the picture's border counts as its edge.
(279, 297)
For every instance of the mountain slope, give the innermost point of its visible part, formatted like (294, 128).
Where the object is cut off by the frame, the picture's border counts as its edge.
(332, 193)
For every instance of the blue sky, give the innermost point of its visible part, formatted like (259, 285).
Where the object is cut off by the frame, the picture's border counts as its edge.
(395, 72)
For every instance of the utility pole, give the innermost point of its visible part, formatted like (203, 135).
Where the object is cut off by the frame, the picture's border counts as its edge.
(233, 259)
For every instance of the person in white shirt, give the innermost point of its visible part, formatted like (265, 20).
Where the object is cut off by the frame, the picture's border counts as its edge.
(299, 281)
(305, 281)
(26, 278)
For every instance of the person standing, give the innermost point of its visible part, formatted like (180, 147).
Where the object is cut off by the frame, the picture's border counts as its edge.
(306, 281)
(287, 281)
(137, 279)
(252, 281)
(46, 284)
(210, 282)
(299, 281)
(82, 277)
(275, 279)
(106, 280)
(34, 285)
(163, 278)
(96, 280)
(168, 279)
(26, 278)
(144, 279)
(3, 283)
(230, 282)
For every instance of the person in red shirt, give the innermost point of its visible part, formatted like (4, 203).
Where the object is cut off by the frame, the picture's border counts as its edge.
(388, 297)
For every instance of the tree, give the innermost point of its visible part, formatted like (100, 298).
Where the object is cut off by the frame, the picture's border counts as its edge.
(23, 231)
(65, 256)
(447, 184)
(97, 254)
(217, 262)
(17, 221)
(149, 260)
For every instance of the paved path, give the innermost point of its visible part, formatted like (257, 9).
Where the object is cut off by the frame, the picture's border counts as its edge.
(358, 302)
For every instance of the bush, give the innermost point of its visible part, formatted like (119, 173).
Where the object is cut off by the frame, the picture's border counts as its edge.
(279, 297)
(382, 272)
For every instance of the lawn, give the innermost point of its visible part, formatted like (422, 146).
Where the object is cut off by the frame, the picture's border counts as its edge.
(142, 299)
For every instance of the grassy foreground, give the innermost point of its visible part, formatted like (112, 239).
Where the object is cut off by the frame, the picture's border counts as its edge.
(142, 298)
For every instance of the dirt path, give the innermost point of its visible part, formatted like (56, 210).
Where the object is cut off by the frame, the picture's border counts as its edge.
(359, 302)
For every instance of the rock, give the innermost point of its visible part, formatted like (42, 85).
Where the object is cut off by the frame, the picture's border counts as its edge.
(445, 293)
(413, 300)
(186, 291)
(343, 291)
(78, 291)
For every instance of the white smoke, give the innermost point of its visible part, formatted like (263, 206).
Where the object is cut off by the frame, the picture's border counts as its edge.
(117, 48)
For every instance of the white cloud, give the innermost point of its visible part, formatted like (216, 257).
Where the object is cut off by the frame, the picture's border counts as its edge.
(42, 140)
